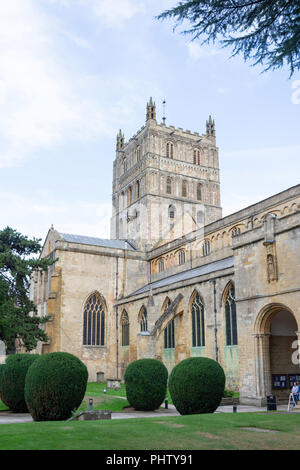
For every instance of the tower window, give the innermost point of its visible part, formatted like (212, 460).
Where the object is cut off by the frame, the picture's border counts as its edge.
(129, 195)
(169, 185)
(170, 150)
(171, 212)
(235, 232)
(184, 189)
(137, 189)
(196, 157)
(199, 192)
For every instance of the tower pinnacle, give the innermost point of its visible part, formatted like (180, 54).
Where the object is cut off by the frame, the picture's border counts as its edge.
(210, 127)
(120, 140)
(151, 110)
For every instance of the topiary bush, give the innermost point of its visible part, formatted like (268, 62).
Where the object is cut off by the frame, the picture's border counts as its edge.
(55, 386)
(13, 381)
(2, 366)
(196, 385)
(146, 384)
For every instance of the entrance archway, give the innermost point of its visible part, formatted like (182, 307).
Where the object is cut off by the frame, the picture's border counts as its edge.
(276, 340)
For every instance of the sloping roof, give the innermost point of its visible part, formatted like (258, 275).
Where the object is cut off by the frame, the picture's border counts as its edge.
(185, 275)
(105, 242)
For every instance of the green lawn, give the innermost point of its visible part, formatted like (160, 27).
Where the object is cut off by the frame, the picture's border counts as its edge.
(207, 431)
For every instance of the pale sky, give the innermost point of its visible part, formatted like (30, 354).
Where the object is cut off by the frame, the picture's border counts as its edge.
(73, 72)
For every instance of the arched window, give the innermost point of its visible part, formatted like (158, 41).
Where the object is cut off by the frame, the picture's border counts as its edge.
(143, 319)
(200, 217)
(169, 336)
(94, 321)
(137, 189)
(170, 150)
(129, 195)
(125, 328)
(206, 248)
(230, 317)
(181, 257)
(235, 232)
(196, 157)
(169, 185)
(161, 265)
(199, 192)
(198, 332)
(184, 188)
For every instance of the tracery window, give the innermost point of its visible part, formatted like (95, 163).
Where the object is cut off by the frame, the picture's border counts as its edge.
(206, 248)
(181, 257)
(235, 232)
(230, 318)
(143, 319)
(198, 331)
(184, 188)
(94, 321)
(169, 336)
(125, 328)
(161, 265)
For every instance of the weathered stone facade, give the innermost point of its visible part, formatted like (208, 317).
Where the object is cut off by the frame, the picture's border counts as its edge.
(176, 280)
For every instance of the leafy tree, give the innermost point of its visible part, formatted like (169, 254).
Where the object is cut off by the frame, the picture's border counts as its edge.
(267, 31)
(18, 320)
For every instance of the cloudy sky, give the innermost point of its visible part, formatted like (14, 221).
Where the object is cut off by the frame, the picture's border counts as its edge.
(73, 72)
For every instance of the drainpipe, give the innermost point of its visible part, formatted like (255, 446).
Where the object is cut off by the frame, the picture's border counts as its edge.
(117, 318)
(215, 320)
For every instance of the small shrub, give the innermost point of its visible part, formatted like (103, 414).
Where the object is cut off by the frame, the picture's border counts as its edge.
(2, 366)
(228, 393)
(146, 384)
(55, 386)
(196, 385)
(13, 381)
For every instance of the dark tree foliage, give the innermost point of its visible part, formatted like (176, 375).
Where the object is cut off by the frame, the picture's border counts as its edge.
(196, 385)
(146, 384)
(266, 31)
(17, 312)
(55, 385)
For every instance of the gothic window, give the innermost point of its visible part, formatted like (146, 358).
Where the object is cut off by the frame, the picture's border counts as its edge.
(181, 257)
(170, 150)
(169, 336)
(230, 318)
(199, 192)
(137, 189)
(184, 188)
(125, 328)
(143, 319)
(198, 332)
(196, 157)
(94, 321)
(122, 200)
(129, 195)
(169, 185)
(206, 248)
(161, 265)
(236, 231)
(171, 212)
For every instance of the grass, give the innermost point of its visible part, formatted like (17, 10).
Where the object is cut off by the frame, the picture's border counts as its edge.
(208, 431)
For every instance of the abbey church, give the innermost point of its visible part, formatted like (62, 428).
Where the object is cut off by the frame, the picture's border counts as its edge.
(176, 279)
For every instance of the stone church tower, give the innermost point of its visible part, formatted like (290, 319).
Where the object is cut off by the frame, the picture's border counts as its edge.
(165, 183)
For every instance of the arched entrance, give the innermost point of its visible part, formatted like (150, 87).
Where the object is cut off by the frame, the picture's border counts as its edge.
(276, 341)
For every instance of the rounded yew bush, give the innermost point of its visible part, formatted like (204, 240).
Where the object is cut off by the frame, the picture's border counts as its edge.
(55, 386)
(196, 385)
(13, 381)
(146, 384)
